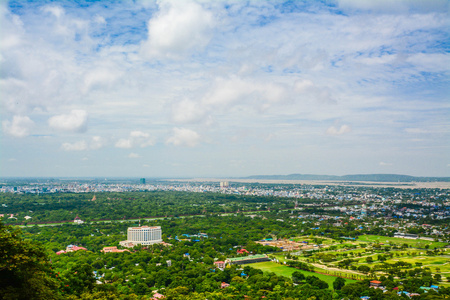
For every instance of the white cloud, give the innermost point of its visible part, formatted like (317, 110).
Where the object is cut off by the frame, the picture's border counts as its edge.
(77, 146)
(385, 164)
(19, 127)
(187, 111)
(57, 11)
(335, 131)
(65, 26)
(75, 121)
(416, 130)
(95, 143)
(101, 78)
(178, 28)
(139, 134)
(237, 91)
(228, 91)
(184, 137)
(307, 89)
(99, 19)
(398, 6)
(124, 143)
(135, 139)
(303, 85)
(430, 62)
(133, 155)
(231, 67)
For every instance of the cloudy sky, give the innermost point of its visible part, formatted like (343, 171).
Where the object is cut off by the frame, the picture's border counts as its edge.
(224, 88)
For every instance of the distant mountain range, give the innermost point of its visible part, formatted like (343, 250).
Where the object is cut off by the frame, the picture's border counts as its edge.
(356, 177)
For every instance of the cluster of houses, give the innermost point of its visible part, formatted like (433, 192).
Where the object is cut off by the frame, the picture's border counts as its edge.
(113, 250)
(376, 284)
(71, 248)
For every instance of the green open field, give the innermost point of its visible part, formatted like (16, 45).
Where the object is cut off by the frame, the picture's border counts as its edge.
(287, 272)
(433, 262)
(399, 241)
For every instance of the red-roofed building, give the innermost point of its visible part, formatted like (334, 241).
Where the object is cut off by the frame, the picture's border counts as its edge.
(242, 251)
(72, 248)
(375, 283)
(113, 250)
(157, 296)
(224, 285)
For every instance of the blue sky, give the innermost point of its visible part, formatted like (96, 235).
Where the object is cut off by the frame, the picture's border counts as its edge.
(224, 88)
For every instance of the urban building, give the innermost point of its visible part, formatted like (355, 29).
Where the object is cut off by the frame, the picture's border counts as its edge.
(144, 235)
(112, 250)
(247, 259)
(375, 283)
(220, 264)
(406, 235)
(71, 248)
(77, 220)
(142, 180)
(224, 184)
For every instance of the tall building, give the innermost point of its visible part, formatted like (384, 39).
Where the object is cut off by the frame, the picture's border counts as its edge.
(142, 180)
(144, 235)
(224, 184)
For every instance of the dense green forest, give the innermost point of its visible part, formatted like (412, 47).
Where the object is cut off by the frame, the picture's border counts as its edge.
(118, 206)
(135, 274)
(30, 268)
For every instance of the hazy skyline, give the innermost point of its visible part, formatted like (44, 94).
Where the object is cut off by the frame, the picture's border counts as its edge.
(224, 88)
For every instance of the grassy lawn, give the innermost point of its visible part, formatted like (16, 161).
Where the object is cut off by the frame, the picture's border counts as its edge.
(399, 241)
(287, 272)
(433, 262)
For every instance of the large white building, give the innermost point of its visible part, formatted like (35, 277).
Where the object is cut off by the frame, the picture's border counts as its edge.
(144, 235)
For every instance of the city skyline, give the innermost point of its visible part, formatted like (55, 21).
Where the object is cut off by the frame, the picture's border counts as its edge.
(224, 88)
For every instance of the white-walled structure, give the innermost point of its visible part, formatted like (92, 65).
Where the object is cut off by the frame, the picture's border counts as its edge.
(144, 235)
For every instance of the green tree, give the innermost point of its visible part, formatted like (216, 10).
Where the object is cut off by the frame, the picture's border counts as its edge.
(298, 276)
(338, 283)
(316, 282)
(25, 271)
(364, 269)
(80, 278)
